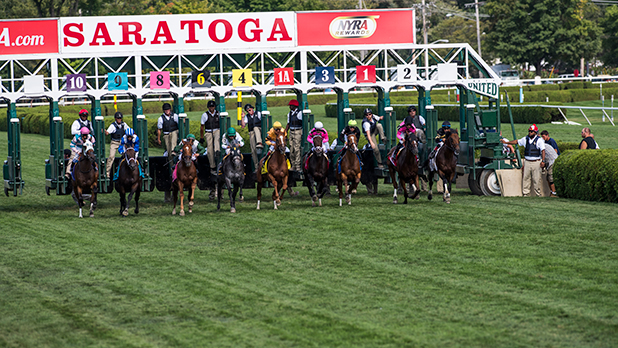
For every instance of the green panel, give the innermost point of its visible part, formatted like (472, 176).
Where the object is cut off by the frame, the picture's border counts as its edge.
(489, 119)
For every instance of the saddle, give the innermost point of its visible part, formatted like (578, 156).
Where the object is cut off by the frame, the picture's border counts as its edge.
(395, 156)
(139, 168)
(308, 156)
(267, 158)
(360, 163)
(220, 165)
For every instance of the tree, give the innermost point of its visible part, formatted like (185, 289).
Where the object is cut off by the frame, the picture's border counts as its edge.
(610, 38)
(542, 31)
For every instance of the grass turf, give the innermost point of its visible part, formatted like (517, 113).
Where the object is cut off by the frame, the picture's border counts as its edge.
(483, 271)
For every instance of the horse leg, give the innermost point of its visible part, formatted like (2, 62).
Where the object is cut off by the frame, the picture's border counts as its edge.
(123, 198)
(446, 196)
(391, 172)
(138, 191)
(284, 187)
(275, 193)
(192, 194)
(415, 186)
(93, 198)
(354, 185)
(430, 183)
(405, 190)
(181, 193)
(322, 189)
(259, 191)
(310, 186)
(219, 192)
(80, 199)
(175, 197)
(340, 187)
(233, 198)
(125, 212)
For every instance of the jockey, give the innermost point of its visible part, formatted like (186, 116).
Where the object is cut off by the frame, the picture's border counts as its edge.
(406, 126)
(271, 137)
(230, 137)
(441, 134)
(196, 148)
(129, 140)
(351, 128)
(77, 144)
(319, 130)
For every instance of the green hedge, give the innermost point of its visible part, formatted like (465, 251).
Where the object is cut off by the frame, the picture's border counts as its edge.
(526, 115)
(590, 175)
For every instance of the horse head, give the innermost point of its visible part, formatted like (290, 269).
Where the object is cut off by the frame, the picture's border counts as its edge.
(351, 143)
(187, 152)
(317, 144)
(280, 143)
(129, 157)
(410, 143)
(88, 151)
(452, 141)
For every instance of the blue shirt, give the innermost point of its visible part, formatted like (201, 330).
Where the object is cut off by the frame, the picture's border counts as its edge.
(553, 144)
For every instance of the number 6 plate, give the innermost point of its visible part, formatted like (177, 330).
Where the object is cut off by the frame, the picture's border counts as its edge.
(406, 73)
(200, 78)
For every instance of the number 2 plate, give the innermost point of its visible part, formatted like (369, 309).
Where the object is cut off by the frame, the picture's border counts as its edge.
(406, 73)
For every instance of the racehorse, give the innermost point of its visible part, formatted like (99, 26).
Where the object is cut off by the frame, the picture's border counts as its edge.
(316, 170)
(406, 167)
(129, 180)
(277, 173)
(349, 169)
(446, 163)
(85, 177)
(232, 172)
(186, 176)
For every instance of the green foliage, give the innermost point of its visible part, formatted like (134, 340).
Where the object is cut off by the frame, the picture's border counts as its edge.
(610, 39)
(590, 175)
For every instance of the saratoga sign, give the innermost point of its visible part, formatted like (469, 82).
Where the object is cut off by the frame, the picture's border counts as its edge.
(176, 33)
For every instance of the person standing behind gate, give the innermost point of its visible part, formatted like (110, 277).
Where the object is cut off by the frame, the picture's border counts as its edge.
(551, 154)
(294, 129)
(168, 124)
(418, 122)
(370, 129)
(81, 122)
(211, 133)
(550, 141)
(534, 155)
(116, 129)
(253, 120)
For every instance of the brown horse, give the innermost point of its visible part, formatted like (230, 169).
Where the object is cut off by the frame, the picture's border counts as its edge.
(277, 173)
(129, 180)
(186, 176)
(446, 163)
(316, 171)
(406, 167)
(349, 170)
(85, 178)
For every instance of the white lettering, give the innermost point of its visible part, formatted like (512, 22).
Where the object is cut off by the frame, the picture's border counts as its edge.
(5, 38)
(34, 40)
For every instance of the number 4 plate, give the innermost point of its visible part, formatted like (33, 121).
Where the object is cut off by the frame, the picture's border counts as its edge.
(242, 78)
(406, 73)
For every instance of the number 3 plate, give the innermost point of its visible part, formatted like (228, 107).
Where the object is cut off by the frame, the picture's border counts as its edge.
(406, 73)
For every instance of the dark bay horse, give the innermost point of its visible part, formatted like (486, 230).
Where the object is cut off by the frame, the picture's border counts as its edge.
(277, 173)
(186, 176)
(85, 178)
(129, 180)
(406, 168)
(446, 163)
(316, 171)
(349, 170)
(232, 172)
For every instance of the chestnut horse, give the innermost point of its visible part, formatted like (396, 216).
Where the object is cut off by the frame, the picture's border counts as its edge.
(316, 170)
(277, 173)
(348, 169)
(129, 180)
(186, 176)
(446, 163)
(232, 172)
(85, 177)
(406, 168)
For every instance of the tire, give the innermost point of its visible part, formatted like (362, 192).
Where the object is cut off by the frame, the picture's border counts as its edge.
(489, 183)
(473, 183)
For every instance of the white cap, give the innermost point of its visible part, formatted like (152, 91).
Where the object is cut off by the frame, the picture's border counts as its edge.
(319, 125)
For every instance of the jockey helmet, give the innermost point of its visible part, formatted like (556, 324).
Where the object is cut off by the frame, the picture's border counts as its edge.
(231, 132)
(129, 132)
(534, 128)
(319, 125)
(211, 103)
(167, 106)
(352, 123)
(118, 115)
(248, 106)
(293, 102)
(83, 112)
(446, 124)
(411, 107)
(84, 131)
(367, 111)
(277, 125)
(408, 121)
(190, 136)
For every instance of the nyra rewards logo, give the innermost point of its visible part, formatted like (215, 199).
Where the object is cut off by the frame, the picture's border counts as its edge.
(353, 27)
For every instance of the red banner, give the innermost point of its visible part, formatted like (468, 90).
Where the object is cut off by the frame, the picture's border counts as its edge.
(355, 28)
(28, 37)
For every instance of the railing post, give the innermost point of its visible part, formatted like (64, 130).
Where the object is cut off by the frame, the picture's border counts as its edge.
(12, 165)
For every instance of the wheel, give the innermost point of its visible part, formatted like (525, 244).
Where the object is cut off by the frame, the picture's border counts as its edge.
(489, 183)
(473, 183)
(6, 191)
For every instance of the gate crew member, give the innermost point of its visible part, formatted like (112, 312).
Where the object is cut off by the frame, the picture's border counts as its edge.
(534, 155)
(370, 129)
(168, 124)
(116, 129)
(77, 144)
(81, 122)
(253, 120)
(294, 129)
(211, 133)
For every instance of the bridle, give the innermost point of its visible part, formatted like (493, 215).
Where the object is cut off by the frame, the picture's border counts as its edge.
(450, 146)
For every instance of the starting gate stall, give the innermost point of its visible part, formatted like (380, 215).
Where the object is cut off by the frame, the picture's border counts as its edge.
(250, 53)
(12, 166)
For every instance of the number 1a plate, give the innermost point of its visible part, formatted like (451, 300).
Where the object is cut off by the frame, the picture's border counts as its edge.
(406, 72)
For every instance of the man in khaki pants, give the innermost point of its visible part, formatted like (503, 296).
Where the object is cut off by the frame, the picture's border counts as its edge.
(294, 129)
(534, 154)
(168, 125)
(253, 120)
(211, 133)
(116, 129)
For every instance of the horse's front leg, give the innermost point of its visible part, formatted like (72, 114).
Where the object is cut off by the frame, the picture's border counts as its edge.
(181, 193)
(403, 185)
(175, 196)
(138, 191)
(322, 189)
(415, 186)
(446, 196)
(123, 198)
(259, 189)
(125, 212)
(80, 199)
(430, 183)
(393, 176)
(192, 194)
(275, 191)
(233, 198)
(310, 186)
(340, 180)
(94, 189)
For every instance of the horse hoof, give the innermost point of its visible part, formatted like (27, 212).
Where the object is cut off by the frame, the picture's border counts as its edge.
(190, 205)
(125, 212)
(232, 210)
(91, 214)
(354, 191)
(313, 204)
(320, 200)
(395, 201)
(429, 197)
(136, 211)
(278, 202)
(242, 199)
(174, 212)
(182, 213)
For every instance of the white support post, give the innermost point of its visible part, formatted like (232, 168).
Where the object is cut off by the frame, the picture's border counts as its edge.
(585, 117)
(609, 118)
(562, 113)
(304, 78)
(138, 73)
(54, 74)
